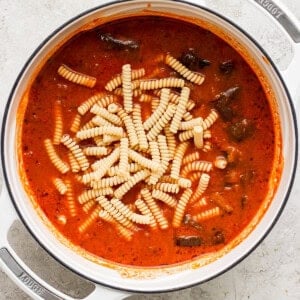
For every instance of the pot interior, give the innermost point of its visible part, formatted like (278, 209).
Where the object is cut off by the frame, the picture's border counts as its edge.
(174, 276)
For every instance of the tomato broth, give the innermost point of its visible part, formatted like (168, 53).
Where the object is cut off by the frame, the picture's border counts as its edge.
(243, 136)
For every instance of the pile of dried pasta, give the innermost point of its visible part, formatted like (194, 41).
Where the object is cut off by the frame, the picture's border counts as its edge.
(125, 150)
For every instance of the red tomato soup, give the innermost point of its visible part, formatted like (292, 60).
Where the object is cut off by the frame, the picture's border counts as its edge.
(169, 161)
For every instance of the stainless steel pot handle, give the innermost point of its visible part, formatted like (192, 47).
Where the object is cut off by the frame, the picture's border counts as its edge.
(22, 276)
(291, 24)
(283, 16)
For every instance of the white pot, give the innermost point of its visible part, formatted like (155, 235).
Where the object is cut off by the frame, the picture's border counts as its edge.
(132, 279)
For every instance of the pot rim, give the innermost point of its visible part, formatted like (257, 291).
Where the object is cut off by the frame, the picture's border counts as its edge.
(57, 31)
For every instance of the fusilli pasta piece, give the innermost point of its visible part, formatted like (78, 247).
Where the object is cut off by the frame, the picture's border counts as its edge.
(202, 186)
(58, 123)
(220, 162)
(145, 162)
(207, 214)
(107, 182)
(139, 129)
(93, 194)
(76, 151)
(123, 162)
(127, 87)
(88, 205)
(167, 187)
(187, 125)
(162, 106)
(95, 151)
(132, 135)
(171, 140)
(123, 209)
(164, 197)
(196, 78)
(132, 168)
(60, 185)
(70, 199)
(104, 113)
(177, 161)
(154, 208)
(76, 77)
(180, 109)
(76, 123)
(199, 165)
(90, 220)
(154, 84)
(115, 213)
(84, 107)
(117, 80)
(60, 165)
(180, 208)
(210, 119)
(161, 123)
(191, 157)
(144, 209)
(92, 132)
(198, 136)
(132, 181)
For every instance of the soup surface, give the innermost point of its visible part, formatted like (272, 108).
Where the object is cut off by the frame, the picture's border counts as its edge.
(188, 157)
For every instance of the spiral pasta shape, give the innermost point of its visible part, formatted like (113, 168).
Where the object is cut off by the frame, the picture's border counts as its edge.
(127, 87)
(196, 78)
(58, 123)
(76, 151)
(76, 77)
(164, 197)
(132, 135)
(154, 84)
(202, 186)
(180, 109)
(138, 125)
(162, 106)
(106, 205)
(154, 208)
(180, 208)
(177, 161)
(132, 181)
(58, 163)
(207, 214)
(134, 217)
(60, 185)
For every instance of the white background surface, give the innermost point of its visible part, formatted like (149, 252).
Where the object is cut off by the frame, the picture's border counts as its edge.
(272, 271)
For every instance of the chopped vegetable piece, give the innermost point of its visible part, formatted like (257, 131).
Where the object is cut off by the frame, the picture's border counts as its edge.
(188, 241)
(120, 43)
(226, 67)
(223, 100)
(218, 238)
(192, 61)
(241, 130)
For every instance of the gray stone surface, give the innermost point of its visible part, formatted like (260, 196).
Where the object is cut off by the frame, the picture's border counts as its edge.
(272, 271)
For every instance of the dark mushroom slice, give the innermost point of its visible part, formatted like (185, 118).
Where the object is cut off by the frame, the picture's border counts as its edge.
(188, 241)
(241, 130)
(192, 61)
(119, 43)
(223, 100)
(218, 238)
(226, 67)
(188, 220)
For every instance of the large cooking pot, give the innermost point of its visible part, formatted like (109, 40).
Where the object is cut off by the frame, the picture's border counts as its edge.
(112, 281)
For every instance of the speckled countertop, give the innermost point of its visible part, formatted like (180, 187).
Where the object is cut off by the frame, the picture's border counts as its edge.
(270, 272)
